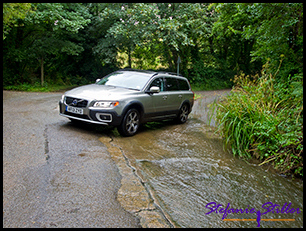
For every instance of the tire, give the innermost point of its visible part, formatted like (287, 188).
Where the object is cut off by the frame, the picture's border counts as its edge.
(183, 114)
(130, 123)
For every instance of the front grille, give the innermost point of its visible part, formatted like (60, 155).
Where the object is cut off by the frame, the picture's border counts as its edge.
(75, 102)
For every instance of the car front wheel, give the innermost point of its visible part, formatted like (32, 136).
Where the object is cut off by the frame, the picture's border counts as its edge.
(130, 123)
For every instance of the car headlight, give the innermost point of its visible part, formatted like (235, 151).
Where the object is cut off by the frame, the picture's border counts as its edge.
(106, 104)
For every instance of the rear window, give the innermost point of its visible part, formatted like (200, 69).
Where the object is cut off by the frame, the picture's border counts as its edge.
(171, 84)
(183, 85)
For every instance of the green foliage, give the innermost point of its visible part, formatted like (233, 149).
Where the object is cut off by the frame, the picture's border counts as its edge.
(12, 13)
(36, 87)
(68, 16)
(278, 29)
(171, 28)
(210, 78)
(56, 25)
(232, 47)
(47, 32)
(263, 117)
(62, 42)
(252, 32)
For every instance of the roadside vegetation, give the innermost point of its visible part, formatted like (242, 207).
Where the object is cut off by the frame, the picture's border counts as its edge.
(36, 87)
(263, 118)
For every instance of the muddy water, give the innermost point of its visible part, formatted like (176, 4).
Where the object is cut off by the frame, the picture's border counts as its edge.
(184, 167)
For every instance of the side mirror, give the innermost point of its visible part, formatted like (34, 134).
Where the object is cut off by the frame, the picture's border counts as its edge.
(97, 80)
(154, 89)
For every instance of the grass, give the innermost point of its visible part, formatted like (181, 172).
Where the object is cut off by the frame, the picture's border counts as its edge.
(38, 88)
(213, 85)
(263, 119)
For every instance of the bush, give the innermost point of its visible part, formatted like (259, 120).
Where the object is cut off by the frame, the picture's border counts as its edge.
(263, 118)
(209, 78)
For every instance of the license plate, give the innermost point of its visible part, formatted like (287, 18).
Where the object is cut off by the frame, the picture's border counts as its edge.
(74, 110)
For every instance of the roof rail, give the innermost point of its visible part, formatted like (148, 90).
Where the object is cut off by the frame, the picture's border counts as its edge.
(126, 69)
(149, 71)
(169, 73)
(138, 70)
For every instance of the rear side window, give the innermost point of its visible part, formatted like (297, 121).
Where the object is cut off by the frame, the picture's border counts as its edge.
(183, 85)
(172, 84)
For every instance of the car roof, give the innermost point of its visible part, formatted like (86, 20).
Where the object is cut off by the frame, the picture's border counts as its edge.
(137, 70)
(153, 73)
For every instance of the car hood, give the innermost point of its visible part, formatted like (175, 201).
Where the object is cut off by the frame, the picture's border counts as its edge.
(98, 92)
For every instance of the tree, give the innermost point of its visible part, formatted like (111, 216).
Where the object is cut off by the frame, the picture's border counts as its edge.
(261, 32)
(53, 23)
(214, 41)
(46, 31)
(12, 13)
(278, 28)
(171, 27)
(233, 48)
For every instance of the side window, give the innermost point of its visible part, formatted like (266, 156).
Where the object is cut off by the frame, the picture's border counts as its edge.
(171, 84)
(183, 84)
(158, 82)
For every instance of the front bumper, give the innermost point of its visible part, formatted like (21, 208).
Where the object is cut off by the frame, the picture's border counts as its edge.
(96, 116)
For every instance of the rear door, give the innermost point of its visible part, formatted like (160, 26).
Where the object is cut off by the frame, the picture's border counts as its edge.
(186, 92)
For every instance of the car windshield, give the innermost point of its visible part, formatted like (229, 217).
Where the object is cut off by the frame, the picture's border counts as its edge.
(126, 79)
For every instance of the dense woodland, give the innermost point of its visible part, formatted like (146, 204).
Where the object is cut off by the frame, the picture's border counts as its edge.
(256, 48)
(76, 43)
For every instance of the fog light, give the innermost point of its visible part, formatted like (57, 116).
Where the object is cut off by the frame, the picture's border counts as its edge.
(104, 117)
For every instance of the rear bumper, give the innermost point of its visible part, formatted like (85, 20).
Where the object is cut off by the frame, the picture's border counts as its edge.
(96, 116)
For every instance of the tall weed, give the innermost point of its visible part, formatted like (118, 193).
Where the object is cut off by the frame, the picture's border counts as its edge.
(263, 118)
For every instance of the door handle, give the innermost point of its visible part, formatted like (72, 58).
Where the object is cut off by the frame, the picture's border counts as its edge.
(165, 97)
(180, 96)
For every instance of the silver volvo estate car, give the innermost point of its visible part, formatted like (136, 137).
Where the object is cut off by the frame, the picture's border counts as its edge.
(127, 98)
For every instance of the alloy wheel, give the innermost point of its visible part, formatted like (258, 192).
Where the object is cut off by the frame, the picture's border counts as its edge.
(183, 116)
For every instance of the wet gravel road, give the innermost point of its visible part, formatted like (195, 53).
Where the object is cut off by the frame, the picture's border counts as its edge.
(55, 174)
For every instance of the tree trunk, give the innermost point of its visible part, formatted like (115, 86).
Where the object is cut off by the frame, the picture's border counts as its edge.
(129, 58)
(42, 70)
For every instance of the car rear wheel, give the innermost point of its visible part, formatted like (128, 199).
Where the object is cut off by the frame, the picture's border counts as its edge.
(183, 114)
(130, 123)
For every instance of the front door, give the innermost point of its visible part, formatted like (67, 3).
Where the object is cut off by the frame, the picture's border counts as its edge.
(160, 100)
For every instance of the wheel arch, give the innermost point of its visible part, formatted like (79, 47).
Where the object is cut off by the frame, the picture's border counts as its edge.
(134, 104)
(186, 102)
